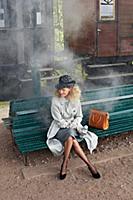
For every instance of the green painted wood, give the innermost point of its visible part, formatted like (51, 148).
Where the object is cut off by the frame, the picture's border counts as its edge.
(28, 104)
(107, 92)
(30, 118)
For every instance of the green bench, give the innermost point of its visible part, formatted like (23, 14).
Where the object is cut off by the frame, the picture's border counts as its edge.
(29, 119)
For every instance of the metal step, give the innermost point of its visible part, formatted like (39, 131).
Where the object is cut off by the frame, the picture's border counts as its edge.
(107, 65)
(42, 70)
(110, 76)
(43, 78)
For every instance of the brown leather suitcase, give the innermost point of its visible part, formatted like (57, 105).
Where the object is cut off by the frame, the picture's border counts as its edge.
(99, 119)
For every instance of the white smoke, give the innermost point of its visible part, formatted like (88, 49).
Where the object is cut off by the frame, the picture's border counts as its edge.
(76, 13)
(35, 42)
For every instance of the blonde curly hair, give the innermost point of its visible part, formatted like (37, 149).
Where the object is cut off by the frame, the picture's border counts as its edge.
(75, 93)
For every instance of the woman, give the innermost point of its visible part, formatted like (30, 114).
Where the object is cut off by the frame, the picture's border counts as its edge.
(66, 126)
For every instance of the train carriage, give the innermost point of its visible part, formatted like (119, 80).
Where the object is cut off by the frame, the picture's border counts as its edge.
(99, 30)
(105, 31)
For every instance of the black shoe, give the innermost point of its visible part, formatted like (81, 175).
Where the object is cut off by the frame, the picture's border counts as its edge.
(94, 174)
(62, 176)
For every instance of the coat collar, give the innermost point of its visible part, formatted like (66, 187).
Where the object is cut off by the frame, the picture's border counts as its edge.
(63, 100)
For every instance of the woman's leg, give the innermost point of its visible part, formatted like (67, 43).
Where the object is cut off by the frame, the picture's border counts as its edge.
(67, 148)
(78, 150)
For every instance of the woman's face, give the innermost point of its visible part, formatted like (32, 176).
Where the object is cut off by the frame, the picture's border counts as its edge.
(64, 92)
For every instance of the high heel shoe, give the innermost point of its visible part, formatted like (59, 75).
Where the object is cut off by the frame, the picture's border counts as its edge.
(62, 176)
(94, 174)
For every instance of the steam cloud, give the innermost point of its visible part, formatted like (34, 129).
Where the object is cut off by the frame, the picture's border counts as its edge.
(76, 14)
(35, 44)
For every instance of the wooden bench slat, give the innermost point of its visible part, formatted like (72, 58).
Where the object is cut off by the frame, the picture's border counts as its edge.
(25, 112)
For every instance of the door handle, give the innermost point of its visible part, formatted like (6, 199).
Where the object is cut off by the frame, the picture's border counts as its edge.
(99, 30)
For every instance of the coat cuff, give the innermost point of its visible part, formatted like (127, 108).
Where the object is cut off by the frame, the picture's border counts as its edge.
(63, 124)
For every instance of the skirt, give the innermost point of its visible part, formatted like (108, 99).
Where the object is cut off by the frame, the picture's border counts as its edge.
(64, 133)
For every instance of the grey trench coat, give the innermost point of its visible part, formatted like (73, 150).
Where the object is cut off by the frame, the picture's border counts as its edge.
(67, 114)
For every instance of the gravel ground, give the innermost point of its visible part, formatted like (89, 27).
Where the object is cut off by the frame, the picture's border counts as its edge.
(116, 182)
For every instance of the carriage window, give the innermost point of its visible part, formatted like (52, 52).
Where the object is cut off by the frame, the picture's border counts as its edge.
(2, 20)
(107, 10)
(7, 13)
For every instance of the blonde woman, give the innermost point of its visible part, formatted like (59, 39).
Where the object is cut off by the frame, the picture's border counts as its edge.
(66, 126)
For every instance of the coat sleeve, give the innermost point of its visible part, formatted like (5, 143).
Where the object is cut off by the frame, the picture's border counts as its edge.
(78, 117)
(56, 114)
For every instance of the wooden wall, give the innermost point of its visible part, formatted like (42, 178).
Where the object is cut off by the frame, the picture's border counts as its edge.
(115, 38)
(125, 27)
(80, 25)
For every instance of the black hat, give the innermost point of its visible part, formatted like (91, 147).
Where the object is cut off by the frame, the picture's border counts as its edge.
(65, 81)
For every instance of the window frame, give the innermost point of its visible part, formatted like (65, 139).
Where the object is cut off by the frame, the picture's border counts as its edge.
(2, 15)
(106, 17)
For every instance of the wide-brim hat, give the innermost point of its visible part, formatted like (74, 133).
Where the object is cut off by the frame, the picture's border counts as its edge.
(65, 81)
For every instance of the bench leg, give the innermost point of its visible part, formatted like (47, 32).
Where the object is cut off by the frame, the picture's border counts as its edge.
(13, 140)
(25, 159)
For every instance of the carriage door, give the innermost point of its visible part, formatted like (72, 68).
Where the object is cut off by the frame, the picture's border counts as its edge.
(106, 28)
